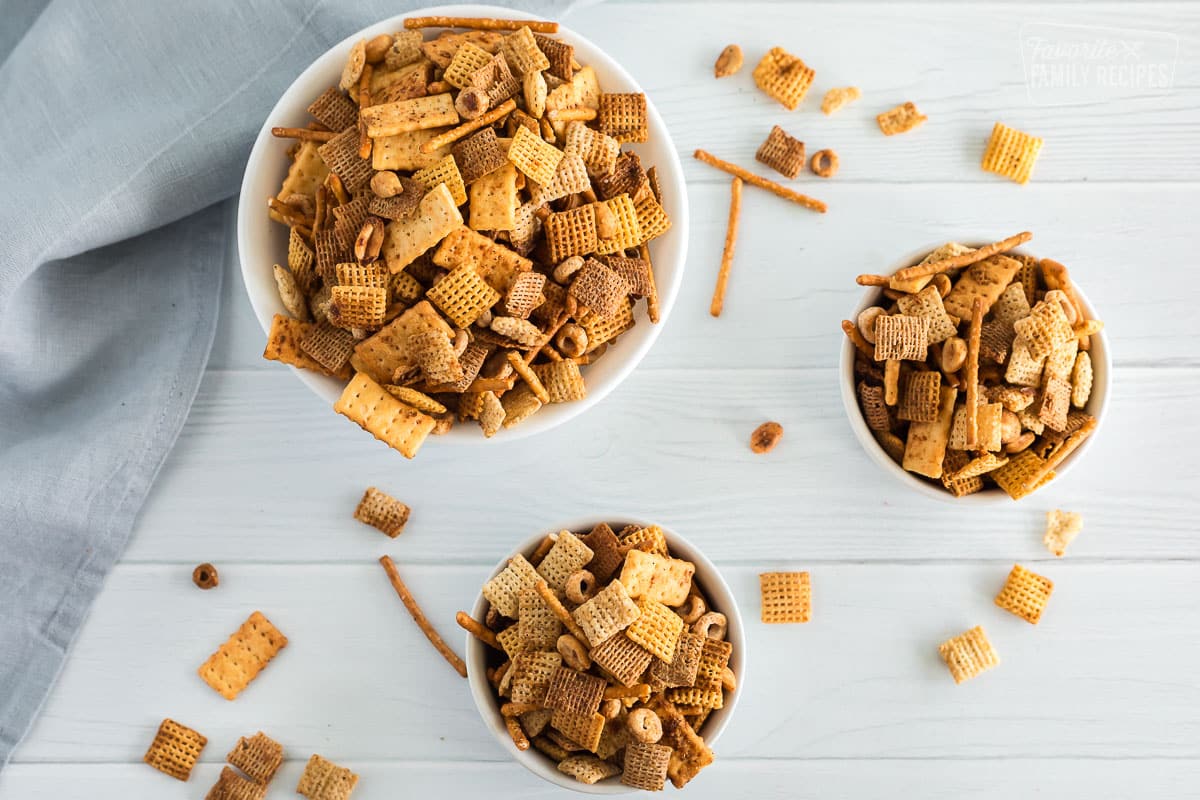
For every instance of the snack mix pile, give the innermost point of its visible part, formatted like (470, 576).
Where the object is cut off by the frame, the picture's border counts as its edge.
(466, 231)
(607, 656)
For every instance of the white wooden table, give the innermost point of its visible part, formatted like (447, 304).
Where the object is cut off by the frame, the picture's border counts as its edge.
(1101, 699)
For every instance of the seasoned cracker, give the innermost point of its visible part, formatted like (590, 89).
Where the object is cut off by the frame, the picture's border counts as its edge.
(658, 578)
(247, 652)
(367, 404)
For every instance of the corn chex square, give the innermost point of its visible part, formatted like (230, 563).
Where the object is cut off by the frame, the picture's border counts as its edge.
(1011, 153)
(623, 117)
(462, 295)
(783, 77)
(571, 233)
(444, 171)
(786, 598)
(968, 655)
(175, 749)
(537, 626)
(534, 156)
(657, 628)
(1025, 594)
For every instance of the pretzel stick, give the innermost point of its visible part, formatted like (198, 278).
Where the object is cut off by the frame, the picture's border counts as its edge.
(762, 183)
(872, 280)
(338, 188)
(580, 114)
(419, 617)
(560, 611)
(477, 629)
(517, 709)
(293, 216)
(731, 232)
(542, 549)
(962, 260)
(856, 338)
(364, 101)
(652, 295)
(495, 676)
(639, 690)
(518, 735)
(481, 24)
(477, 385)
(470, 126)
(971, 372)
(303, 134)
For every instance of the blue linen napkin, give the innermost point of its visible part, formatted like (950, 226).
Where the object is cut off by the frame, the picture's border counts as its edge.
(124, 129)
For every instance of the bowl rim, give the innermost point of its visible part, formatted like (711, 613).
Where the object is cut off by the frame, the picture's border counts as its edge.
(671, 168)
(707, 575)
(1102, 367)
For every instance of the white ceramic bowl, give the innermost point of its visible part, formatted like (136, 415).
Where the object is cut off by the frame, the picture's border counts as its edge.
(720, 598)
(263, 242)
(1097, 403)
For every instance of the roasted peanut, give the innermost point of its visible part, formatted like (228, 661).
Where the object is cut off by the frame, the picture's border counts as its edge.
(728, 62)
(954, 355)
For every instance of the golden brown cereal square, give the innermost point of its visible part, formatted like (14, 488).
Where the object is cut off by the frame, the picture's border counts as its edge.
(656, 577)
(324, 780)
(559, 54)
(714, 654)
(444, 172)
(258, 756)
(382, 512)
(510, 639)
(1054, 404)
(968, 655)
(531, 674)
(646, 766)
(656, 628)
(623, 117)
(588, 769)
(306, 173)
(1023, 369)
(329, 345)
(175, 749)
(922, 394)
(341, 155)
(373, 409)
(566, 557)
(521, 50)
(584, 730)
(652, 217)
(599, 151)
(1016, 477)
(334, 110)
(467, 59)
(232, 786)
(608, 613)
(786, 598)
(357, 307)
(980, 465)
(1025, 594)
(651, 539)
(534, 156)
(782, 152)
(1011, 153)
(901, 337)
(955, 461)
(622, 658)
(901, 119)
(874, 409)
(524, 294)
(571, 233)
(504, 590)
(330, 253)
(550, 747)
(463, 295)
(697, 699)
(238, 661)
(537, 627)
(682, 669)
(1061, 529)
(599, 288)
(283, 344)
(783, 77)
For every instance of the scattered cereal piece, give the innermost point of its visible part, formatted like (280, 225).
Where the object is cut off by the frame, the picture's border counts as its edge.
(968, 654)
(825, 163)
(232, 786)
(324, 780)
(786, 597)
(765, 437)
(205, 576)
(382, 512)
(175, 749)
(1061, 529)
(1025, 594)
(258, 756)
(782, 152)
(836, 98)
(1011, 153)
(901, 119)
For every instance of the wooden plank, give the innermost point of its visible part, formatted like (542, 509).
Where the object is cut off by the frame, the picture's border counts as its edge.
(793, 279)
(266, 471)
(1106, 674)
(960, 63)
(1081, 779)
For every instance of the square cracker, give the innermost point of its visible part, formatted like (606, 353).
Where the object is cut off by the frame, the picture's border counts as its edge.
(786, 598)
(175, 749)
(1025, 594)
(901, 119)
(968, 655)
(494, 200)
(781, 152)
(611, 611)
(324, 780)
(408, 238)
(493, 261)
(417, 113)
(1061, 529)
(689, 753)
(783, 77)
(306, 172)
(239, 660)
(925, 447)
(654, 577)
(403, 151)
(372, 408)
